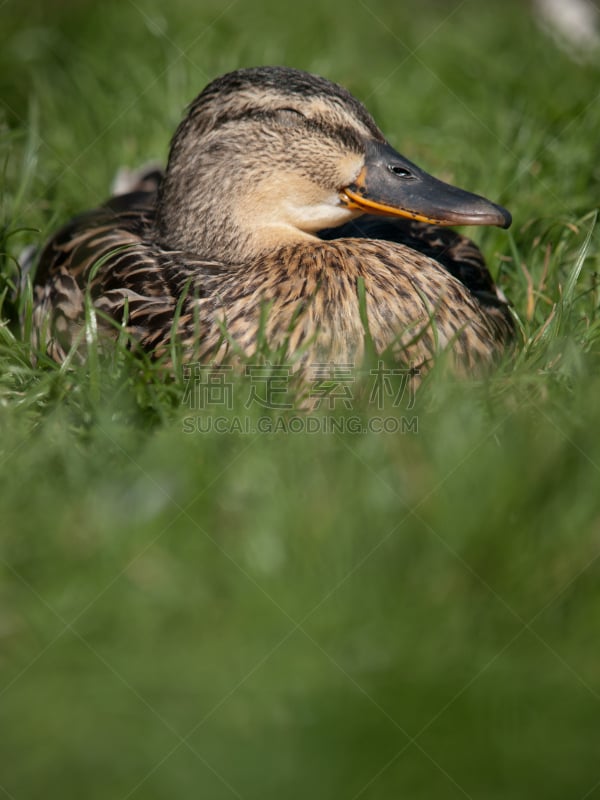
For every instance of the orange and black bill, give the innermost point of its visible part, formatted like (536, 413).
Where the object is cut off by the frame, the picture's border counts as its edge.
(390, 184)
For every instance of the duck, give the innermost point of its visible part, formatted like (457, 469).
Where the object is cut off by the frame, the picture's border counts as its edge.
(283, 216)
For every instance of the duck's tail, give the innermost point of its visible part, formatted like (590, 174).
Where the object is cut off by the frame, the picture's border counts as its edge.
(146, 178)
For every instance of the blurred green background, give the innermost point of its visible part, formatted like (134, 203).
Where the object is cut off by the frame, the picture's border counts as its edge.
(290, 615)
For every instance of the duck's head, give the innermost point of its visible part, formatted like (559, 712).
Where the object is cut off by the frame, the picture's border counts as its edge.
(272, 155)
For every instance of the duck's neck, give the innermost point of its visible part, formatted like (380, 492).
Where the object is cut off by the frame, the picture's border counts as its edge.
(234, 215)
(230, 233)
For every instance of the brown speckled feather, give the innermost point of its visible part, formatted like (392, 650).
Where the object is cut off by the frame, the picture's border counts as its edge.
(426, 273)
(146, 264)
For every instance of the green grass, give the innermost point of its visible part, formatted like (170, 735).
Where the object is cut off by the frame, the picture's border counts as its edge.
(334, 615)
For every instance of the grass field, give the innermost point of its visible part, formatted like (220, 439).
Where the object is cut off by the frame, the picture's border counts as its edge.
(340, 614)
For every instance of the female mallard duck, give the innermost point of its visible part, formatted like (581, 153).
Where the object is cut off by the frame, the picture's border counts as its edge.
(264, 226)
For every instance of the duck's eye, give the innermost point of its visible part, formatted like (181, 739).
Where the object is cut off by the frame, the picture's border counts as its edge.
(400, 172)
(291, 111)
(288, 115)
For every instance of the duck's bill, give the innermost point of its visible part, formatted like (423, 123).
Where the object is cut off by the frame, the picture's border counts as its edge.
(390, 184)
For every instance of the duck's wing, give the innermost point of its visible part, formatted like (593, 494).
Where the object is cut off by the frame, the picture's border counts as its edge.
(95, 249)
(109, 256)
(130, 209)
(457, 254)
